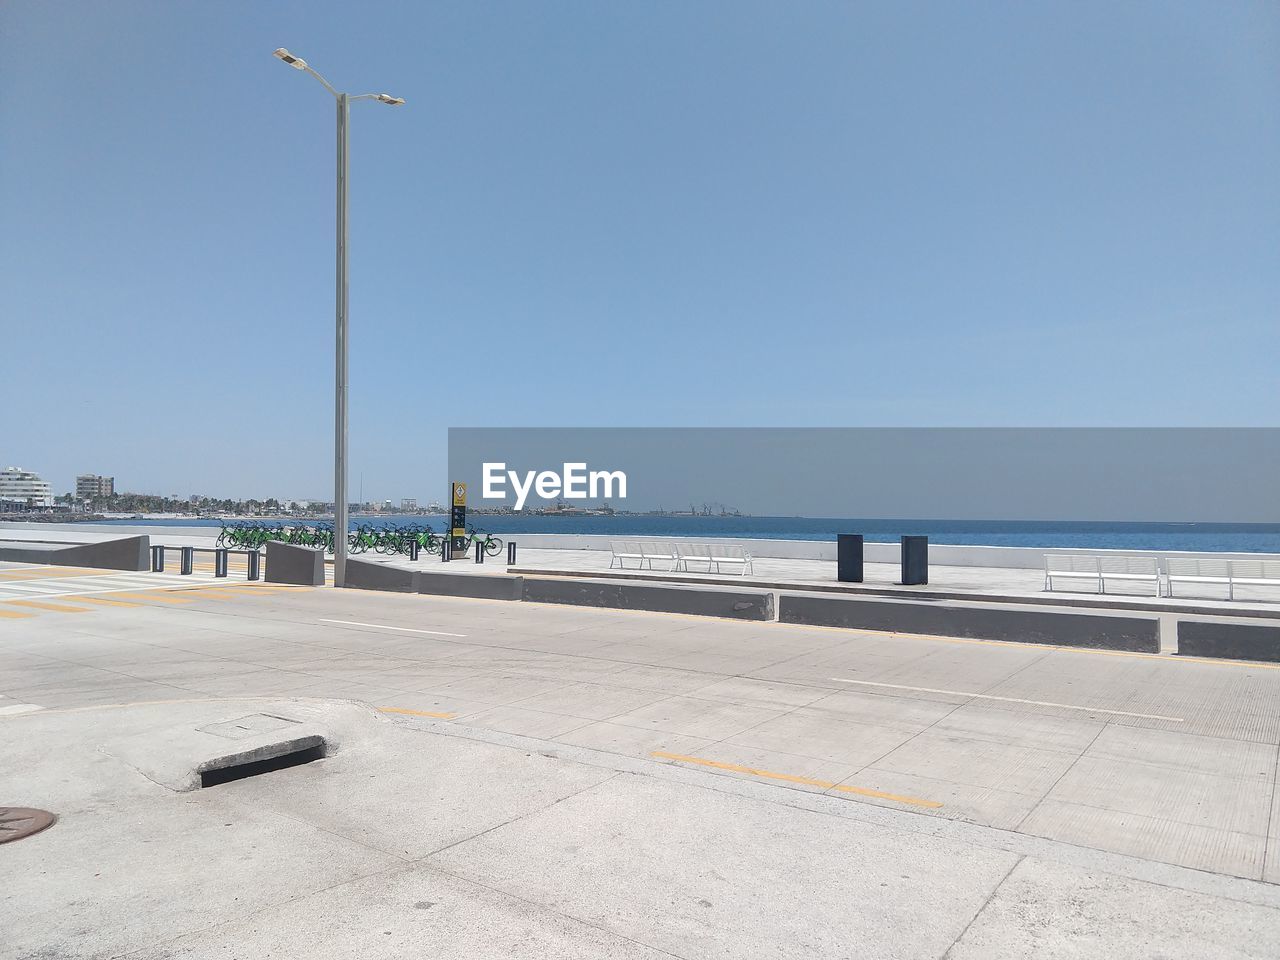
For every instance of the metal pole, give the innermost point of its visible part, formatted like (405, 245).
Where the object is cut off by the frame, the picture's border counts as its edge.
(340, 389)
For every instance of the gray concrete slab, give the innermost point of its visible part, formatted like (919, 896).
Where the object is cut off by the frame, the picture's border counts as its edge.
(745, 883)
(413, 911)
(1052, 913)
(1149, 837)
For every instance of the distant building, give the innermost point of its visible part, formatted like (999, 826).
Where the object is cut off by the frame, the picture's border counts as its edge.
(92, 487)
(25, 487)
(408, 503)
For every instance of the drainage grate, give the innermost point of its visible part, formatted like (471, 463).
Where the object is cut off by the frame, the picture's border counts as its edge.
(254, 768)
(19, 822)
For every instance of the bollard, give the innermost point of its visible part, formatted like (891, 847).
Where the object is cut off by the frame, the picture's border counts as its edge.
(220, 562)
(479, 552)
(511, 554)
(188, 560)
(849, 557)
(413, 549)
(253, 557)
(915, 560)
(446, 548)
(157, 559)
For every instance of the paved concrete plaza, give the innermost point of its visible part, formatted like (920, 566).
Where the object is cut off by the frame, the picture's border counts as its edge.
(513, 779)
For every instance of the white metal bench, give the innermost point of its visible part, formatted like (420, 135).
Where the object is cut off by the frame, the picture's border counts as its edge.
(1198, 570)
(1255, 573)
(732, 554)
(1228, 573)
(665, 552)
(624, 550)
(714, 556)
(1072, 566)
(699, 553)
(1129, 570)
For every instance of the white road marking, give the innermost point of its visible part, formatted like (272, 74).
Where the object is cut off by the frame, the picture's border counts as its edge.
(384, 626)
(1034, 703)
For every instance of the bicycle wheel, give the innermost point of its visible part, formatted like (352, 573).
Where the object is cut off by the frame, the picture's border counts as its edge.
(493, 546)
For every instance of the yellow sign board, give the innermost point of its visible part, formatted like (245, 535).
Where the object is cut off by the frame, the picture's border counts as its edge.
(458, 515)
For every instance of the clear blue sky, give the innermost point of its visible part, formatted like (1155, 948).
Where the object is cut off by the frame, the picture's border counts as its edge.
(659, 213)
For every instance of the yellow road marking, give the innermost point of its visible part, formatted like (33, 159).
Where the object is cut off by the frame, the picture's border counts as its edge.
(791, 778)
(111, 603)
(163, 598)
(54, 573)
(59, 607)
(14, 614)
(238, 591)
(418, 713)
(209, 593)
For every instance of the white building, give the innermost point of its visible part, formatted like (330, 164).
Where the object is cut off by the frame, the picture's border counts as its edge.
(26, 487)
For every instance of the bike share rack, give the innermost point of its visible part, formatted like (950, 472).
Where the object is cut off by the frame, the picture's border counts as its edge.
(187, 558)
(403, 541)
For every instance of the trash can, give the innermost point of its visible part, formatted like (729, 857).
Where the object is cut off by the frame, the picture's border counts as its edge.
(849, 557)
(915, 560)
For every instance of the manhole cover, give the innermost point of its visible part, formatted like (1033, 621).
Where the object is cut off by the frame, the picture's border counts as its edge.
(19, 822)
(248, 726)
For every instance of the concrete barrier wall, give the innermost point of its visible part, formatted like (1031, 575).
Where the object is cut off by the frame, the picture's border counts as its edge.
(125, 553)
(943, 554)
(480, 586)
(1229, 640)
(287, 563)
(975, 621)
(940, 554)
(364, 575)
(698, 601)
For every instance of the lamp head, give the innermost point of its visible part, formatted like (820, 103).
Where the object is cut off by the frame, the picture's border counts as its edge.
(296, 62)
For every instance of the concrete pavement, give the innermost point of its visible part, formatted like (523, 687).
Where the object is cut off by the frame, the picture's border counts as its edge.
(581, 782)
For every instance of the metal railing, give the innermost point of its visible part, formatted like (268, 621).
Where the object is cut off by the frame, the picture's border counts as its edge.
(221, 556)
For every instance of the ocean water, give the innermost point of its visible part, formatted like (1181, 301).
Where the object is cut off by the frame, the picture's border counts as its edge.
(1201, 537)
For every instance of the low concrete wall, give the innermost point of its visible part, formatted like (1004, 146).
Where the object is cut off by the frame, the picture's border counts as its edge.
(940, 554)
(1229, 640)
(126, 553)
(480, 586)
(698, 601)
(288, 563)
(950, 619)
(365, 575)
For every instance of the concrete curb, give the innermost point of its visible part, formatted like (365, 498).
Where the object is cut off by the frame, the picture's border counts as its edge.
(478, 586)
(127, 553)
(702, 602)
(972, 621)
(367, 575)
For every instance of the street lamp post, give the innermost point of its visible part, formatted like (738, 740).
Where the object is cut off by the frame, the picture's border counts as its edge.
(340, 503)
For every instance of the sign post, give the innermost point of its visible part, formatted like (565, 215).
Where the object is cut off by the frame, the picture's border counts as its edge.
(458, 519)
